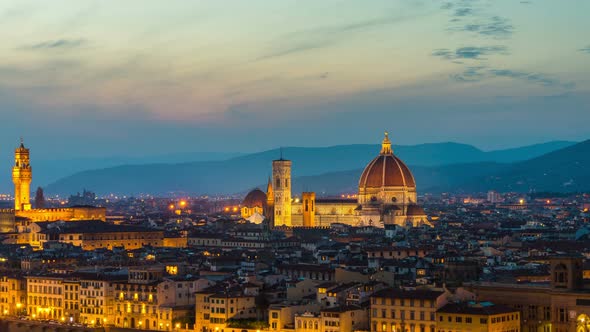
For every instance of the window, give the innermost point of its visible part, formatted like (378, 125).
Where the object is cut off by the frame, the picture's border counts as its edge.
(483, 320)
(468, 320)
(458, 319)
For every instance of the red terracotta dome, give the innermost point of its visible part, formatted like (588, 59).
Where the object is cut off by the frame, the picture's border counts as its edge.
(386, 170)
(255, 198)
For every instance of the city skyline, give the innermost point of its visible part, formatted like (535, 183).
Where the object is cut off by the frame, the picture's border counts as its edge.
(294, 166)
(104, 78)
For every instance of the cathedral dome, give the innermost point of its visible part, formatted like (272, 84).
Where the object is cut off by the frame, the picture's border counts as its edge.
(255, 198)
(386, 170)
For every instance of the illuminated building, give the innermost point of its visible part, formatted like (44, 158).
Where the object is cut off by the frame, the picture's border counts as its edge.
(394, 310)
(21, 177)
(254, 202)
(344, 318)
(284, 316)
(97, 299)
(73, 213)
(136, 300)
(308, 322)
(90, 235)
(477, 317)
(175, 241)
(562, 305)
(308, 206)
(387, 191)
(94, 234)
(281, 187)
(45, 295)
(71, 300)
(13, 295)
(214, 307)
(19, 218)
(386, 195)
(7, 221)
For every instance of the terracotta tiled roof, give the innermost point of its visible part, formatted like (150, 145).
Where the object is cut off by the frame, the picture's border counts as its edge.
(386, 171)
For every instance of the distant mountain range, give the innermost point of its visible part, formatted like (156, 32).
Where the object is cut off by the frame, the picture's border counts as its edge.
(50, 170)
(327, 170)
(563, 170)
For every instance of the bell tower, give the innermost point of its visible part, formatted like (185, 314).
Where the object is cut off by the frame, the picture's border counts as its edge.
(21, 177)
(281, 185)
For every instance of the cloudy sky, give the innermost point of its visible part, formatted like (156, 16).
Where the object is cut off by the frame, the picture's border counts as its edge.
(99, 78)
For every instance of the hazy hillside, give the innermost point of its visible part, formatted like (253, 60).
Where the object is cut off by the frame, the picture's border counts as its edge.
(240, 173)
(428, 179)
(565, 170)
(527, 152)
(47, 171)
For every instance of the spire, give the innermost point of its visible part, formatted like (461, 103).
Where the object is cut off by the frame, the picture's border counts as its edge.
(386, 145)
(269, 191)
(22, 143)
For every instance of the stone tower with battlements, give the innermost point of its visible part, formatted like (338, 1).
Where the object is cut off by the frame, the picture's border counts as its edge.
(22, 176)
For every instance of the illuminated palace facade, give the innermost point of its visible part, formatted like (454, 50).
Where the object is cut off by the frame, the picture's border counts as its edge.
(386, 196)
(22, 175)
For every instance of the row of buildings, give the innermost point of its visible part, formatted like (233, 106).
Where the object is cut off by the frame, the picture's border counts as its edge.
(519, 264)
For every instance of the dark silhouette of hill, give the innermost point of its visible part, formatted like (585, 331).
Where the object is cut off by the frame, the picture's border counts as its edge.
(564, 170)
(428, 179)
(428, 161)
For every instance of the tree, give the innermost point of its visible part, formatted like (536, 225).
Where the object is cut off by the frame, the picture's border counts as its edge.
(39, 199)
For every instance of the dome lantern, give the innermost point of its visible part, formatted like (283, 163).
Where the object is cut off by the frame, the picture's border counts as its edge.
(386, 145)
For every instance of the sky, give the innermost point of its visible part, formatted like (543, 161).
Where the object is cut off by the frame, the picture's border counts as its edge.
(143, 77)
